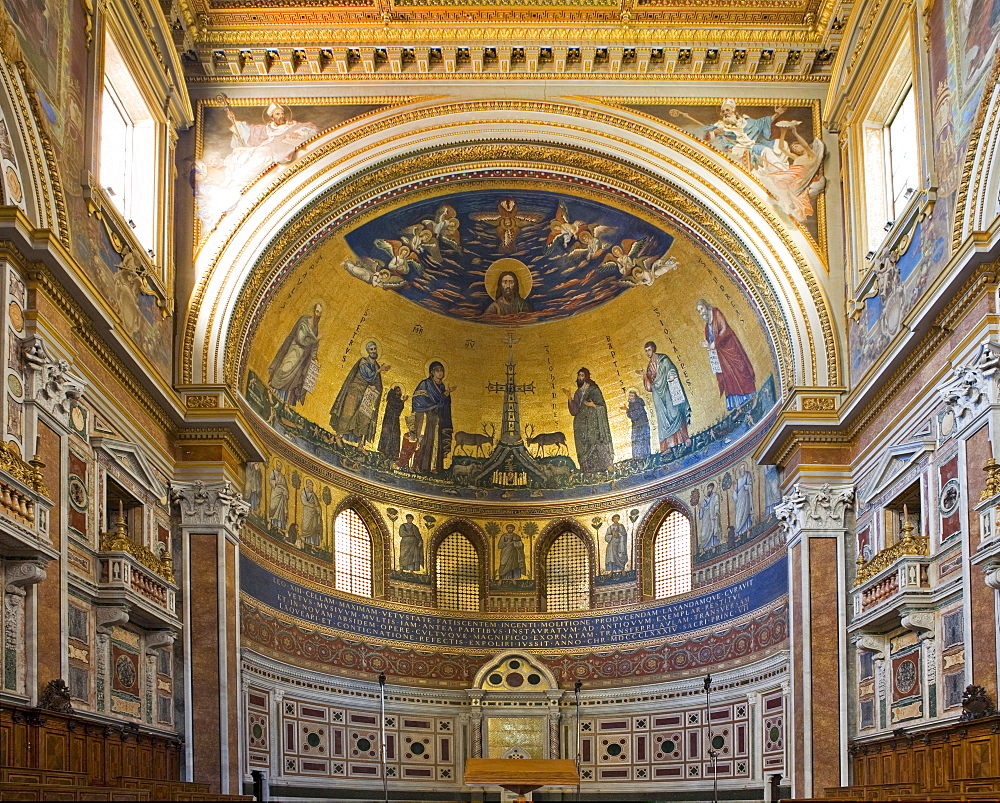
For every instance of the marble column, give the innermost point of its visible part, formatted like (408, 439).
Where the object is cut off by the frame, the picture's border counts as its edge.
(211, 516)
(816, 518)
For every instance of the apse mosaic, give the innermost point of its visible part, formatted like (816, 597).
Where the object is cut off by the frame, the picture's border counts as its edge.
(511, 344)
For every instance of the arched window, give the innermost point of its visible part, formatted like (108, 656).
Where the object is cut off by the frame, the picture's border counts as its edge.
(672, 556)
(567, 572)
(352, 554)
(457, 574)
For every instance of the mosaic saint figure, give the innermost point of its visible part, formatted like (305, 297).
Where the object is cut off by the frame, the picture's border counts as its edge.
(616, 555)
(709, 520)
(431, 404)
(277, 504)
(408, 443)
(389, 438)
(636, 412)
(591, 430)
(743, 500)
(673, 411)
(512, 565)
(727, 357)
(291, 371)
(508, 300)
(311, 529)
(254, 485)
(411, 546)
(354, 414)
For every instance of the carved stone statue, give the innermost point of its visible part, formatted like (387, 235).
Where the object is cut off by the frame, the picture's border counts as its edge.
(976, 704)
(56, 697)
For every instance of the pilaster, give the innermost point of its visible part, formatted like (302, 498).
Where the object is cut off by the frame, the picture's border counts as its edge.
(210, 517)
(816, 518)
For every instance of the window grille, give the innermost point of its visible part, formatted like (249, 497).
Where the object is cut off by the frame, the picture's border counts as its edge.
(352, 558)
(457, 574)
(567, 569)
(672, 556)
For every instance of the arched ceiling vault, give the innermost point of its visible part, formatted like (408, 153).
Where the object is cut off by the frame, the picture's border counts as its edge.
(352, 169)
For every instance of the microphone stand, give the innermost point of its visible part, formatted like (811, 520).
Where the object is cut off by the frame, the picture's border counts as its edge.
(579, 760)
(713, 754)
(381, 694)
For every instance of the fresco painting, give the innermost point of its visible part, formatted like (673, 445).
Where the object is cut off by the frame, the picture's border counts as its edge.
(778, 145)
(242, 140)
(446, 383)
(971, 28)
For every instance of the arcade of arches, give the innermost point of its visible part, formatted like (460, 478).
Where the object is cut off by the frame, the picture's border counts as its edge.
(394, 384)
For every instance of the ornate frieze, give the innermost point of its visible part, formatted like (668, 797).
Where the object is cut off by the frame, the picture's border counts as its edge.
(972, 386)
(810, 507)
(215, 504)
(51, 382)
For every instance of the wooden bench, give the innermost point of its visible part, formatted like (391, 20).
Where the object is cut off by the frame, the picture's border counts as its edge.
(178, 791)
(41, 791)
(23, 775)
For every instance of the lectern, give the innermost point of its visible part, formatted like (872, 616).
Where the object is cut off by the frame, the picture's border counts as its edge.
(521, 775)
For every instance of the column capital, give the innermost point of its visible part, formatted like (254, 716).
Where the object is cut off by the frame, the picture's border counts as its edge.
(991, 574)
(815, 507)
(210, 504)
(51, 382)
(19, 574)
(969, 387)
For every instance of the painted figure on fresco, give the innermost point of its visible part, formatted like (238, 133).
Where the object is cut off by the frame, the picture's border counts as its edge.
(512, 565)
(727, 357)
(255, 485)
(411, 546)
(255, 147)
(616, 555)
(740, 137)
(673, 411)
(431, 404)
(277, 504)
(743, 500)
(789, 172)
(636, 412)
(591, 430)
(354, 414)
(409, 443)
(311, 530)
(709, 520)
(389, 438)
(294, 368)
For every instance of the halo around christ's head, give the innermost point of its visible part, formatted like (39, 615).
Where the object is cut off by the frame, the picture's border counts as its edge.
(515, 266)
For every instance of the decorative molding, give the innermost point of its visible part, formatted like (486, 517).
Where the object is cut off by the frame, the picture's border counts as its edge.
(872, 642)
(51, 382)
(970, 387)
(810, 507)
(159, 639)
(991, 574)
(19, 574)
(216, 504)
(109, 616)
(920, 621)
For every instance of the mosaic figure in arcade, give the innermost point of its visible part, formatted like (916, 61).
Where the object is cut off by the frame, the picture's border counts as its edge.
(616, 556)
(673, 411)
(636, 412)
(512, 564)
(390, 437)
(354, 414)
(709, 520)
(743, 500)
(411, 546)
(591, 430)
(277, 503)
(311, 529)
(431, 404)
(294, 368)
(727, 357)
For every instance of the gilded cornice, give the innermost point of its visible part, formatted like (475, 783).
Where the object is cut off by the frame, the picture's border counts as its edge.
(356, 192)
(423, 77)
(966, 189)
(30, 109)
